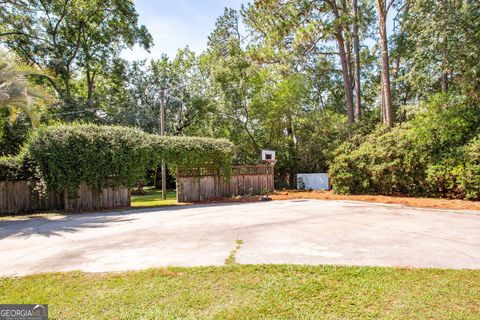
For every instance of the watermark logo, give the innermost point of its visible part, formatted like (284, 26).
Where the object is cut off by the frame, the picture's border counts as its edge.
(23, 312)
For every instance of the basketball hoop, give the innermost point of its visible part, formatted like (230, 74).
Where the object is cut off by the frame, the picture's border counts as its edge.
(268, 156)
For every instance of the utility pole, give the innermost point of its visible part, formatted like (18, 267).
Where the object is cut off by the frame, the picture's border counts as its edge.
(162, 133)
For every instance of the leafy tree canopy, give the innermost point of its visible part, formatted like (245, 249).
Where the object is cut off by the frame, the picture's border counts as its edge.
(72, 39)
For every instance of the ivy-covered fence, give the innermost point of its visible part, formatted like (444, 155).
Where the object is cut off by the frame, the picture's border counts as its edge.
(61, 158)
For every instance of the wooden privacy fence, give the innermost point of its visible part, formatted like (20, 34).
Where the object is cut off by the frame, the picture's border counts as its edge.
(204, 183)
(87, 199)
(16, 196)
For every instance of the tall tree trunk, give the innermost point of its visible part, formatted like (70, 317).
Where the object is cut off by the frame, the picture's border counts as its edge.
(383, 116)
(356, 58)
(382, 15)
(348, 52)
(90, 86)
(444, 80)
(347, 83)
(348, 48)
(396, 68)
(68, 90)
(396, 61)
(292, 153)
(162, 133)
(347, 38)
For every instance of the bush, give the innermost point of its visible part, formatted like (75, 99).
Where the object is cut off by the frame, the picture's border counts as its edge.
(111, 156)
(424, 156)
(442, 178)
(469, 175)
(15, 168)
(458, 177)
(380, 165)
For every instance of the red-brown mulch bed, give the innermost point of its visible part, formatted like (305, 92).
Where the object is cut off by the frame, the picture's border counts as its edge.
(408, 201)
(329, 195)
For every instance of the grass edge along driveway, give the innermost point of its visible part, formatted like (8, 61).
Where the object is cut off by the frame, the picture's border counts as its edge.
(254, 292)
(153, 198)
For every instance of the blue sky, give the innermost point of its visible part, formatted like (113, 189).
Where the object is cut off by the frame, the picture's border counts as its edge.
(175, 24)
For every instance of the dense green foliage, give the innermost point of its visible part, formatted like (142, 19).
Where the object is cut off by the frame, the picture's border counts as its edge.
(16, 168)
(468, 177)
(104, 156)
(300, 77)
(13, 134)
(78, 41)
(433, 154)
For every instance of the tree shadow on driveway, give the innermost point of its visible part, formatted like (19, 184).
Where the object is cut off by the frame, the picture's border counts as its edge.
(75, 222)
(48, 227)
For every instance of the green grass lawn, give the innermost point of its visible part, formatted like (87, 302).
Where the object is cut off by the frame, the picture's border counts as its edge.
(253, 292)
(153, 198)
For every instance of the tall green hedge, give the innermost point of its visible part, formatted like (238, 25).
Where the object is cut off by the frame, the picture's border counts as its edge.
(111, 156)
(436, 153)
(382, 164)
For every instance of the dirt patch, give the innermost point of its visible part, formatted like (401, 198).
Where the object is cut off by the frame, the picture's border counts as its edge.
(408, 201)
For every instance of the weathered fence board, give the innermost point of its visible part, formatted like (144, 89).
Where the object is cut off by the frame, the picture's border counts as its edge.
(204, 183)
(17, 196)
(87, 199)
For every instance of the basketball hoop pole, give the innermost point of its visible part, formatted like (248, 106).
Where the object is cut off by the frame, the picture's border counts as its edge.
(162, 133)
(271, 164)
(268, 156)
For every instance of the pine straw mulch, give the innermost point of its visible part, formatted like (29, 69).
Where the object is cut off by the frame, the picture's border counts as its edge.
(407, 201)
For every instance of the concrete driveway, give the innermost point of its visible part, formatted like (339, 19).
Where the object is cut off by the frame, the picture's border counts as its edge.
(297, 231)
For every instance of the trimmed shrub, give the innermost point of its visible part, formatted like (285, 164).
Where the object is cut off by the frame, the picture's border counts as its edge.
(424, 156)
(110, 156)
